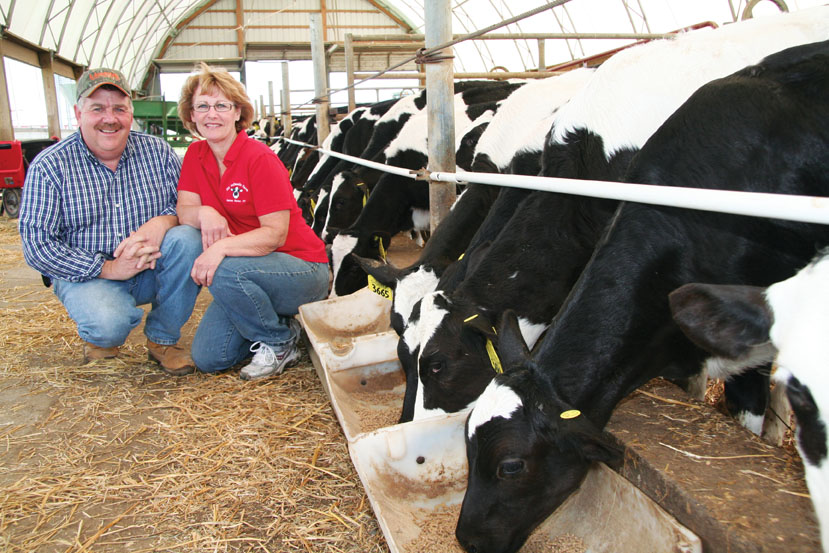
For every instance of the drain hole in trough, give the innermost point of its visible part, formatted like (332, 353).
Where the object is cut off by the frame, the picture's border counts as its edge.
(363, 382)
(420, 459)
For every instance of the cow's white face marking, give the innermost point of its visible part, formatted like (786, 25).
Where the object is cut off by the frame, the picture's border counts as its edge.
(335, 185)
(801, 326)
(411, 288)
(431, 316)
(419, 334)
(496, 401)
(342, 246)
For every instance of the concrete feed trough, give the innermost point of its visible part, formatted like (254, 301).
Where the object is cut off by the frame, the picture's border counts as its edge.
(355, 354)
(415, 477)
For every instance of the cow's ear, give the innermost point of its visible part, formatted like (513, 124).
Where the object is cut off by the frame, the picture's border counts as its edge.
(480, 323)
(726, 320)
(380, 241)
(595, 447)
(476, 256)
(385, 273)
(576, 431)
(511, 346)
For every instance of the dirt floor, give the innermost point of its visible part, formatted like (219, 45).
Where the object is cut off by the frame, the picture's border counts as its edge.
(115, 456)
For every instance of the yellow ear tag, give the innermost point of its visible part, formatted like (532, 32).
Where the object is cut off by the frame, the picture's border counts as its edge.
(313, 206)
(571, 414)
(493, 357)
(461, 257)
(365, 192)
(380, 289)
(382, 249)
(470, 318)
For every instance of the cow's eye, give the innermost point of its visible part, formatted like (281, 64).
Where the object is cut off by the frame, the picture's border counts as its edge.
(510, 468)
(436, 368)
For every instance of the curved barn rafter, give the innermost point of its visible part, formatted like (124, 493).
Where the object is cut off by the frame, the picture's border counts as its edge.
(144, 38)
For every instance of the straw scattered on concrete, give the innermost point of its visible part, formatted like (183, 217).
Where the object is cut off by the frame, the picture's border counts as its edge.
(114, 456)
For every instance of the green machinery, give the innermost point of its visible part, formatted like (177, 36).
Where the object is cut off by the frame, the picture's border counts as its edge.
(160, 118)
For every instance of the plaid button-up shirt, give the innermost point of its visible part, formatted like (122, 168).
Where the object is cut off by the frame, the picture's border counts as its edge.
(75, 210)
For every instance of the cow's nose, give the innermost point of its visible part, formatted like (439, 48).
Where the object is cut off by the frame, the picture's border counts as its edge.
(468, 544)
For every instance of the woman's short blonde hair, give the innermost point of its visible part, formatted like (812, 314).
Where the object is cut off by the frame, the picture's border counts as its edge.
(210, 80)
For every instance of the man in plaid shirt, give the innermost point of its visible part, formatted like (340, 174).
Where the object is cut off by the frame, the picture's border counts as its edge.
(98, 218)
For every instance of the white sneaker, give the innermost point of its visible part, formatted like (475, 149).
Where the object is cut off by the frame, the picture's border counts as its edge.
(267, 362)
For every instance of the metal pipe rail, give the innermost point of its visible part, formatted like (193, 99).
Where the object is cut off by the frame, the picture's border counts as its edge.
(804, 209)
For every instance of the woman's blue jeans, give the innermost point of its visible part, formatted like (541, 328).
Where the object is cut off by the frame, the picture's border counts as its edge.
(105, 311)
(253, 301)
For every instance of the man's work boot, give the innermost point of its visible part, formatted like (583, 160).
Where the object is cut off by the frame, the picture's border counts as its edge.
(91, 352)
(172, 359)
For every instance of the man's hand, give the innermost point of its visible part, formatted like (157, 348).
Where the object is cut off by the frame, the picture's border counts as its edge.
(133, 255)
(138, 246)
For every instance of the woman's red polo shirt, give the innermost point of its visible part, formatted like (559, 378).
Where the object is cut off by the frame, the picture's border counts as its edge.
(255, 183)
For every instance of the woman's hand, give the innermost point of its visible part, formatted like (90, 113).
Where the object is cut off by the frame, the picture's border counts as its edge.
(213, 227)
(206, 264)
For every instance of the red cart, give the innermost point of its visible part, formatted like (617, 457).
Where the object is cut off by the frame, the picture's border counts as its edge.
(15, 156)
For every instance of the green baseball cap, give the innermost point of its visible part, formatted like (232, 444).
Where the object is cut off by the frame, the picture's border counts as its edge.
(93, 79)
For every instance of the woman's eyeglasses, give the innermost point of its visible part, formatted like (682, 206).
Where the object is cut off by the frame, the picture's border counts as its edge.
(204, 107)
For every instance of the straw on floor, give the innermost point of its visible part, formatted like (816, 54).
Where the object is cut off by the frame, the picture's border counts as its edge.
(114, 456)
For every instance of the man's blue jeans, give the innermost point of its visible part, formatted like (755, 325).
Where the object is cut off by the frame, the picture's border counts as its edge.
(107, 310)
(253, 300)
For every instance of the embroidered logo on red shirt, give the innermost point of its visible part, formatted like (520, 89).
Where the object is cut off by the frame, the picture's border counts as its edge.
(236, 193)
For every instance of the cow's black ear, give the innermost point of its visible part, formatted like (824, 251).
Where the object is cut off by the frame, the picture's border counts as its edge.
(476, 256)
(588, 440)
(385, 273)
(481, 323)
(381, 237)
(511, 346)
(726, 320)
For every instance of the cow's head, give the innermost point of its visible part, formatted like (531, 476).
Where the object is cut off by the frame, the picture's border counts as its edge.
(457, 354)
(349, 193)
(527, 450)
(348, 275)
(793, 315)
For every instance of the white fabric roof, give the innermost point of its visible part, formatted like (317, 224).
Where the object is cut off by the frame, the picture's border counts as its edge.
(129, 34)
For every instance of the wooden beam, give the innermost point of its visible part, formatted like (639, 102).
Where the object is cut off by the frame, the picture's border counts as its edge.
(324, 20)
(405, 26)
(6, 127)
(240, 28)
(50, 94)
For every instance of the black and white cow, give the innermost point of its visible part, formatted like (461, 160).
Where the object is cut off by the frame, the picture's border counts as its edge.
(400, 203)
(386, 129)
(304, 131)
(537, 427)
(352, 186)
(594, 136)
(352, 140)
(512, 142)
(788, 320)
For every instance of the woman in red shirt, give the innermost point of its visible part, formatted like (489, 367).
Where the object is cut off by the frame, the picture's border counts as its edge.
(260, 259)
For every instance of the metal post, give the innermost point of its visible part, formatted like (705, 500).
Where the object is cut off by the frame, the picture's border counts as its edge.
(441, 111)
(320, 78)
(286, 101)
(349, 71)
(261, 106)
(271, 112)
